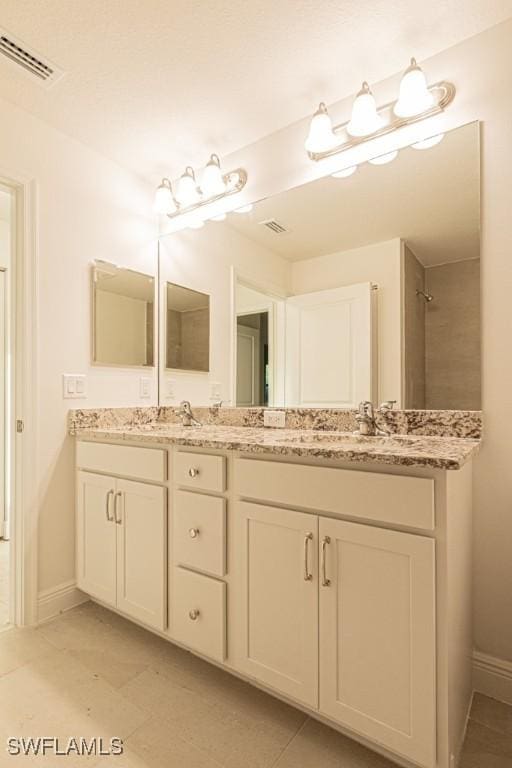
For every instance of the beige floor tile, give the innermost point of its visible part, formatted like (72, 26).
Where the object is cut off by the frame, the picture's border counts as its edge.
(159, 748)
(56, 696)
(486, 748)
(251, 730)
(317, 746)
(494, 714)
(19, 646)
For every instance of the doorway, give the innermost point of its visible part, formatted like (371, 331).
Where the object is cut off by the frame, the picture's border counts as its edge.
(252, 355)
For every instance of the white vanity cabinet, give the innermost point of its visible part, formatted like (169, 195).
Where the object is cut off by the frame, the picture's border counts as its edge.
(343, 590)
(121, 541)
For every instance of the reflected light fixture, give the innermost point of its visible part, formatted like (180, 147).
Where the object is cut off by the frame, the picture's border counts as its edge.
(430, 142)
(196, 224)
(365, 118)
(189, 196)
(244, 208)
(345, 173)
(416, 101)
(414, 96)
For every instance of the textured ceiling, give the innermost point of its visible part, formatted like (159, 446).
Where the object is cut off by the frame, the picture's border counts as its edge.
(155, 84)
(429, 198)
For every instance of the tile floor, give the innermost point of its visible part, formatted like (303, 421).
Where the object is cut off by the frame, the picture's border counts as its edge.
(4, 582)
(91, 673)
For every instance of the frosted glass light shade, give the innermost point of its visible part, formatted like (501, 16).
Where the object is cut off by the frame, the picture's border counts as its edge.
(212, 181)
(164, 201)
(187, 193)
(414, 96)
(365, 118)
(345, 173)
(321, 137)
(244, 208)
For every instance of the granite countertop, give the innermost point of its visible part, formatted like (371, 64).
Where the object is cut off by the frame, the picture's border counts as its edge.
(399, 450)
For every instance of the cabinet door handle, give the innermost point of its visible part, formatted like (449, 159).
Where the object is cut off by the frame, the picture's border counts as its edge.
(193, 472)
(117, 517)
(325, 581)
(193, 533)
(193, 614)
(307, 575)
(107, 507)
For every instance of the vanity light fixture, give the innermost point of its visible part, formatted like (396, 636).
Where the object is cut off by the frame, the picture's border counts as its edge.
(416, 101)
(190, 196)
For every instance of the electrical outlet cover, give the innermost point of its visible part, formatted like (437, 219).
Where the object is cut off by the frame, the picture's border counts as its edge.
(276, 419)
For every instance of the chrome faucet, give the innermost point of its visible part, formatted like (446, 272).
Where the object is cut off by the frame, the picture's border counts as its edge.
(187, 416)
(367, 421)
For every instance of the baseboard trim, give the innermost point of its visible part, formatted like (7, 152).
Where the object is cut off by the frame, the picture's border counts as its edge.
(492, 677)
(54, 601)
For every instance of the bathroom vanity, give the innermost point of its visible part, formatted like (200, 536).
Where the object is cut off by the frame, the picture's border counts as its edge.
(331, 570)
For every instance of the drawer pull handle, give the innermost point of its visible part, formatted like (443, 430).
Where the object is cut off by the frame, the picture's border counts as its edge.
(117, 517)
(325, 581)
(307, 575)
(193, 533)
(193, 472)
(107, 507)
(193, 614)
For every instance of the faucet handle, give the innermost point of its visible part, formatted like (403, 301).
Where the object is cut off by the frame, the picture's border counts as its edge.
(387, 405)
(366, 408)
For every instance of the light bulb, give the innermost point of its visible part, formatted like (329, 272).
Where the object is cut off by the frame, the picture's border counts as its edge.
(430, 142)
(321, 137)
(164, 201)
(220, 217)
(365, 118)
(345, 173)
(383, 159)
(244, 208)
(414, 96)
(187, 189)
(212, 181)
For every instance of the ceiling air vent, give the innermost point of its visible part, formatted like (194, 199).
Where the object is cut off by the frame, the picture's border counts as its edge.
(274, 226)
(31, 62)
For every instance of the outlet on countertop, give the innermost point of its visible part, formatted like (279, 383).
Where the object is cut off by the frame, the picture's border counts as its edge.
(274, 419)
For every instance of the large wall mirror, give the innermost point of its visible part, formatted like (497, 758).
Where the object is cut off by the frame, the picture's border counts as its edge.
(384, 278)
(123, 316)
(187, 329)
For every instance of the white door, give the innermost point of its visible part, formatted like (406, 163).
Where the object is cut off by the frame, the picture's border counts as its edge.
(96, 536)
(141, 521)
(3, 380)
(277, 621)
(377, 635)
(248, 384)
(329, 347)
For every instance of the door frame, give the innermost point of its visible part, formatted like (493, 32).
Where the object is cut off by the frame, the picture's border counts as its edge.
(25, 390)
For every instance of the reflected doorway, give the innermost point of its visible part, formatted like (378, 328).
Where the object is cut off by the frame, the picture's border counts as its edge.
(252, 355)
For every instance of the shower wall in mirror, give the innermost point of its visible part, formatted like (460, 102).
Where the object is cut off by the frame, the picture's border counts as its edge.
(344, 289)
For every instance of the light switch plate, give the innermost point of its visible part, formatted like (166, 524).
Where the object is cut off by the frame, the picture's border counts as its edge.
(274, 419)
(145, 387)
(74, 386)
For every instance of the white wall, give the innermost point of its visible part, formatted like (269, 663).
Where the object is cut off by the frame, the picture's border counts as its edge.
(203, 260)
(378, 263)
(87, 208)
(481, 69)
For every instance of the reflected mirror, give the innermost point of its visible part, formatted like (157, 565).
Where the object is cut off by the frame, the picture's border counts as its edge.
(384, 271)
(123, 316)
(187, 329)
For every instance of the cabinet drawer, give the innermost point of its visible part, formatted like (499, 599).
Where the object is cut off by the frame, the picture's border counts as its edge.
(199, 613)
(395, 499)
(129, 461)
(200, 470)
(199, 539)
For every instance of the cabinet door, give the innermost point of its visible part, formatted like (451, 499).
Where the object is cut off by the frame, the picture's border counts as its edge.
(141, 517)
(377, 635)
(96, 536)
(277, 621)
